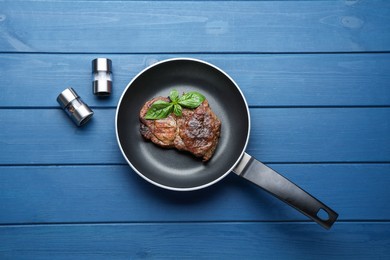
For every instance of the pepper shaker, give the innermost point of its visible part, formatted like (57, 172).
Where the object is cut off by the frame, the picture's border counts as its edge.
(74, 107)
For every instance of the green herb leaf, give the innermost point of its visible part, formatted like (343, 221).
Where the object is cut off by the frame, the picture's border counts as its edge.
(191, 99)
(159, 109)
(177, 110)
(174, 96)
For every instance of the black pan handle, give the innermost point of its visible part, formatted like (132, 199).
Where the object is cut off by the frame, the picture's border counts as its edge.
(271, 181)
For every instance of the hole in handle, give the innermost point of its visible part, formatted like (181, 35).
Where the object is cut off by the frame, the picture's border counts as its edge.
(323, 215)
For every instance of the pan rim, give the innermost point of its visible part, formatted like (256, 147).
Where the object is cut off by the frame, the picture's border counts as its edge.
(198, 187)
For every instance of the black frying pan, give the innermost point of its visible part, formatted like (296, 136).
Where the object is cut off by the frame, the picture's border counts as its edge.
(174, 170)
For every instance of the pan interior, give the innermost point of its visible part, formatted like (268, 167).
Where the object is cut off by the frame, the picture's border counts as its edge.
(170, 168)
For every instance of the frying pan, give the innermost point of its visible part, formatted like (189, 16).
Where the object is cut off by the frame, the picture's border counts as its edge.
(180, 171)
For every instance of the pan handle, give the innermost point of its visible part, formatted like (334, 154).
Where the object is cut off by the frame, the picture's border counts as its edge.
(251, 169)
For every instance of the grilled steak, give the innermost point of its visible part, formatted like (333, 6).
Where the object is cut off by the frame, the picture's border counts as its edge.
(196, 131)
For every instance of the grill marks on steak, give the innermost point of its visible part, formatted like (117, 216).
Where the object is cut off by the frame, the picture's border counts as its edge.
(199, 131)
(196, 131)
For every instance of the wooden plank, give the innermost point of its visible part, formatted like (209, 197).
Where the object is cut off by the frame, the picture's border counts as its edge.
(173, 26)
(47, 136)
(33, 80)
(197, 240)
(89, 194)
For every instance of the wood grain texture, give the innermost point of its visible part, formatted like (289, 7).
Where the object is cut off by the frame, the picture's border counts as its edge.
(315, 74)
(35, 80)
(47, 136)
(114, 193)
(197, 240)
(166, 26)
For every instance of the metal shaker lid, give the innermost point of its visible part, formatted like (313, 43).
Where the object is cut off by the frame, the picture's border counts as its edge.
(81, 114)
(102, 87)
(66, 96)
(101, 64)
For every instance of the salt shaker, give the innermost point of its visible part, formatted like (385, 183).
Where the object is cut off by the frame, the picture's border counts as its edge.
(102, 78)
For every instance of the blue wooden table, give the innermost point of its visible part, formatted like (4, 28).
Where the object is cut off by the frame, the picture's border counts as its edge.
(316, 75)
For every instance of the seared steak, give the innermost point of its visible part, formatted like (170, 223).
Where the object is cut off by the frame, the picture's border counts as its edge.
(196, 131)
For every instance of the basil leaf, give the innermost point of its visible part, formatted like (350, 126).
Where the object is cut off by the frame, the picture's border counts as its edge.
(177, 109)
(174, 96)
(159, 104)
(191, 99)
(159, 109)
